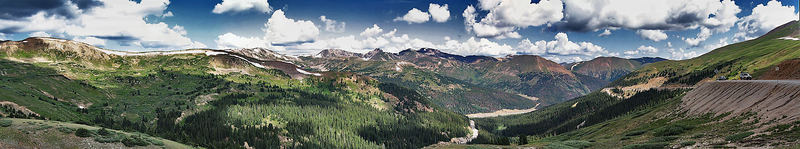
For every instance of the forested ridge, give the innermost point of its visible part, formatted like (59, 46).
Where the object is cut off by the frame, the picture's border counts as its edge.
(175, 97)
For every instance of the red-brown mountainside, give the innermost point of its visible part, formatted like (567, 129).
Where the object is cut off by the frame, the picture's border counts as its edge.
(532, 63)
(606, 68)
(786, 70)
(528, 75)
(598, 72)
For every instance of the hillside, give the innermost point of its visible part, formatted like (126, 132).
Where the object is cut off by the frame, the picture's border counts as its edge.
(687, 109)
(451, 93)
(769, 100)
(725, 114)
(599, 72)
(609, 68)
(465, 84)
(755, 56)
(29, 133)
(786, 70)
(216, 98)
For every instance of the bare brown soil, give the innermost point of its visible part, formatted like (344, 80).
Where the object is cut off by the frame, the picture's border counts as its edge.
(777, 100)
(786, 70)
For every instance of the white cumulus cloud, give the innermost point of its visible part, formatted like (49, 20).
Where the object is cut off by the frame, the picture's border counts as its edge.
(414, 16)
(765, 18)
(333, 25)
(281, 30)
(606, 32)
(587, 15)
(654, 35)
(681, 54)
(119, 20)
(505, 17)
(561, 46)
(40, 34)
(486, 30)
(372, 31)
(643, 50)
(703, 35)
(439, 13)
(473, 46)
(232, 41)
(277, 30)
(91, 41)
(242, 5)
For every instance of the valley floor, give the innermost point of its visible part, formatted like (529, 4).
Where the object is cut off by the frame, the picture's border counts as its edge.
(503, 112)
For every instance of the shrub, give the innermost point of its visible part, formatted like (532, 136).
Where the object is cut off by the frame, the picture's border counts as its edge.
(670, 130)
(43, 127)
(635, 133)
(616, 90)
(109, 138)
(663, 139)
(700, 135)
(738, 136)
(557, 145)
(82, 132)
(5, 123)
(155, 141)
(577, 143)
(103, 132)
(687, 143)
(523, 139)
(66, 130)
(132, 141)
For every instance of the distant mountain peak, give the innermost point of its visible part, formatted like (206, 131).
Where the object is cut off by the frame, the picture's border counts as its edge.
(430, 51)
(379, 55)
(376, 51)
(336, 53)
(648, 60)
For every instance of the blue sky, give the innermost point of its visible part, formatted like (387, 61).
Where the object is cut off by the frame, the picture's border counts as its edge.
(560, 30)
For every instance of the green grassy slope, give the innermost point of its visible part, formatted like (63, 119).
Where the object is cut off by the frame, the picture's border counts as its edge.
(195, 99)
(580, 112)
(657, 123)
(53, 95)
(652, 119)
(752, 56)
(29, 133)
(659, 126)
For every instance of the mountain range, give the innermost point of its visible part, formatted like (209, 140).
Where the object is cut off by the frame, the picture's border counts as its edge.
(470, 84)
(243, 98)
(675, 104)
(207, 98)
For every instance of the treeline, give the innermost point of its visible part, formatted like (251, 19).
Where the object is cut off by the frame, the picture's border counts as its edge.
(696, 76)
(636, 102)
(9, 111)
(591, 109)
(193, 107)
(268, 116)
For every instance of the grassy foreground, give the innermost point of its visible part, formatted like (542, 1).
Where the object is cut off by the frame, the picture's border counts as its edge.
(31, 133)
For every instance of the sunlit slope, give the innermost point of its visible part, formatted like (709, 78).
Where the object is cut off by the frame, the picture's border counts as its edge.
(216, 98)
(753, 56)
